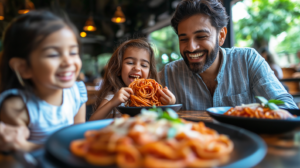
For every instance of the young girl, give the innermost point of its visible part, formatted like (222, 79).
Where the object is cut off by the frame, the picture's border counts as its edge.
(132, 59)
(39, 65)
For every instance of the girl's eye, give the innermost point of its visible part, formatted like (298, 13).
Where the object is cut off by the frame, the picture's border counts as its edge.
(73, 53)
(53, 55)
(129, 63)
(144, 65)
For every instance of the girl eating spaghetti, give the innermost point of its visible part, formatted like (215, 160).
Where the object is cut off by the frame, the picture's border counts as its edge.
(132, 59)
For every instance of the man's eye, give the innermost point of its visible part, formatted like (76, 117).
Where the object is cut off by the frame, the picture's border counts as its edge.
(201, 37)
(183, 39)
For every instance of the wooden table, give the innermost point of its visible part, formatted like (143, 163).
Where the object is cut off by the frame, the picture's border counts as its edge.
(283, 149)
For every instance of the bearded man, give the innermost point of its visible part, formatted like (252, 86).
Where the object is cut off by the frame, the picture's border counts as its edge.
(211, 76)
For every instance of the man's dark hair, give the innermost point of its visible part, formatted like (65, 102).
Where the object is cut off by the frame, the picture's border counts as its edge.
(212, 8)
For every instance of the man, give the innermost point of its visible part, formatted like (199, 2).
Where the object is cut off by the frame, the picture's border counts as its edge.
(211, 76)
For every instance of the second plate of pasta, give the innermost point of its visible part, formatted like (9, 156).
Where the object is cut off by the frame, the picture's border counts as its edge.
(257, 125)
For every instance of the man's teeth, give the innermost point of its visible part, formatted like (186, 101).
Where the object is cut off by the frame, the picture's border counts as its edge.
(66, 74)
(196, 56)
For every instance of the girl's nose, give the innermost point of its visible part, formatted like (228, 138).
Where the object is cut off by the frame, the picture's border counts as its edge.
(67, 60)
(137, 68)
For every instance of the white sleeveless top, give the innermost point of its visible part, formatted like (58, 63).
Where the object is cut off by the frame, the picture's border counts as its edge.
(45, 118)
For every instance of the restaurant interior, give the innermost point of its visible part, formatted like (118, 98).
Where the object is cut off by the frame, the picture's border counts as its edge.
(104, 24)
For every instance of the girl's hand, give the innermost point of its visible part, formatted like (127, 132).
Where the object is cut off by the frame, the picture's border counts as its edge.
(12, 137)
(122, 96)
(167, 96)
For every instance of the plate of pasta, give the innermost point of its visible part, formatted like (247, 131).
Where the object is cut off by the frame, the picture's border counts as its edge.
(257, 119)
(155, 139)
(145, 95)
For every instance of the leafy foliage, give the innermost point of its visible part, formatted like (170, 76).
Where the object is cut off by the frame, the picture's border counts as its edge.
(165, 41)
(267, 18)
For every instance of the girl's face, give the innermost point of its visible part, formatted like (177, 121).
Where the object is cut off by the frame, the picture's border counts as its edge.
(136, 64)
(55, 63)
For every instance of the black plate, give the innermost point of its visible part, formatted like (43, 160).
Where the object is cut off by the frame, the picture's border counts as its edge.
(249, 148)
(263, 126)
(132, 111)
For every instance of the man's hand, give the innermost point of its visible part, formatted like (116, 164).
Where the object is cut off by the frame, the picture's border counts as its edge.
(167, 96)
(12, 137)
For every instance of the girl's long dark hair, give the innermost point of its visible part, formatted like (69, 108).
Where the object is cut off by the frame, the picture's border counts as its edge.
(112, 81)
(21, 37)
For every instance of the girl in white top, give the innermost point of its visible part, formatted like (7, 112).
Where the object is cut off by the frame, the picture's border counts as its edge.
(132, 59)
(39, 65)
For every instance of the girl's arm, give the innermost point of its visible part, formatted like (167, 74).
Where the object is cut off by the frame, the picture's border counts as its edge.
(167, 96)
(14, 112)
(107, 106)
(12, 137)
(80, 116)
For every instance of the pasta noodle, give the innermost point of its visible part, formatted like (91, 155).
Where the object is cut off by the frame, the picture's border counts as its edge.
(258, 112)
(145, 93)
(144, 141)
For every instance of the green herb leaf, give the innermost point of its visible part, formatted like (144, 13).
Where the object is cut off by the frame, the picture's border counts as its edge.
(272, 106)
(166, 116)
(172, 113)
(171, 133)
(262, 99)
(276, 101)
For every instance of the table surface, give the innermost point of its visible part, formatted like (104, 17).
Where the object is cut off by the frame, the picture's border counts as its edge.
(283, 149)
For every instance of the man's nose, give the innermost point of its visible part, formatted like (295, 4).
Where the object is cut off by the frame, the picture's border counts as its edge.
(192, 46)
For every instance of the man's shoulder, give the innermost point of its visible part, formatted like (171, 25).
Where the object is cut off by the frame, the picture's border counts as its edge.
(237, 54)
(175, 64)
(240, 51)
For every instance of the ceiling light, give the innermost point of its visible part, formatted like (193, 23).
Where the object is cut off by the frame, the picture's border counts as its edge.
(90, 25)
(28, 6)
(83, 34)
(119, 16)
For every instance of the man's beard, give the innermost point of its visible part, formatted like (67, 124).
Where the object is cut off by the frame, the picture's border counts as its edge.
(200, 67)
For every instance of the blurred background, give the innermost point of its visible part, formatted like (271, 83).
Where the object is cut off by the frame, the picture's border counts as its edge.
(270, 26)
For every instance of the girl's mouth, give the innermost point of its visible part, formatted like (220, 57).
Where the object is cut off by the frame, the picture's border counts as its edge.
(133, 77)
(66, 76)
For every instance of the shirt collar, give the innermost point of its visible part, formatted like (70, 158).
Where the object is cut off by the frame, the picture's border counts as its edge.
(223, 63)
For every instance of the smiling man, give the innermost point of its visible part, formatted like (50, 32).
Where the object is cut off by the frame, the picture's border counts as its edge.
(211, 76)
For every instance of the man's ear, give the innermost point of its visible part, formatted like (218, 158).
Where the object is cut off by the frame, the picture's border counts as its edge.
(222, 36)
(20, 65)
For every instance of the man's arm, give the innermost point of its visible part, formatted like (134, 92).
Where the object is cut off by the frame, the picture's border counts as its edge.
(264, 83)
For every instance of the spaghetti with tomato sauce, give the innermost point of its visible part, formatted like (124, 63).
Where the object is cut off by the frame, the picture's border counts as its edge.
(147, 141)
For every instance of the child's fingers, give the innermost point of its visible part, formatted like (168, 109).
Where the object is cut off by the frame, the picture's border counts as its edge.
(164, 96)
(126, 94)
(129, 90)
(162, 93)
(164, 101)
(167, 92)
